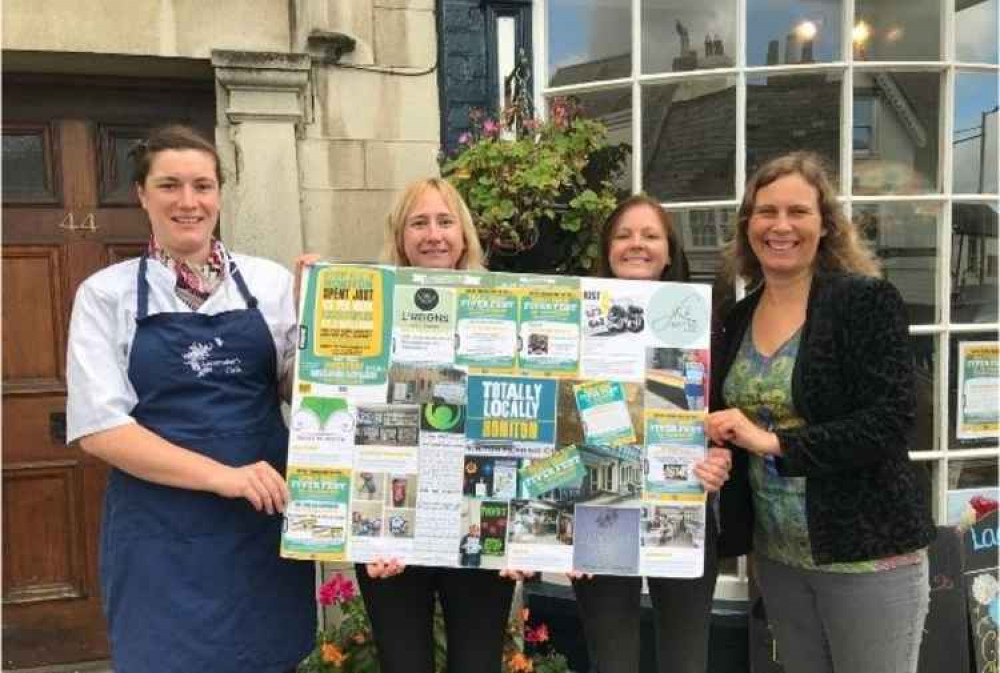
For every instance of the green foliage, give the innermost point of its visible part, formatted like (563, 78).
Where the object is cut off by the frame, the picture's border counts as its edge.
(560, 172)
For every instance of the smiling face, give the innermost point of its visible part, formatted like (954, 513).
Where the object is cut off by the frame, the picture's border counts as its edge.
(432, 234)
(785, 227)
(181, 197)
(639, 248)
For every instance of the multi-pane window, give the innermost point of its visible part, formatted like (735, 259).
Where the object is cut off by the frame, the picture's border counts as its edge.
(899, 97)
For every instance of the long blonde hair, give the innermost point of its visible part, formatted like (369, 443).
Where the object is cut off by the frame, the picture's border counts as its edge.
(392, 247)
(841, 249)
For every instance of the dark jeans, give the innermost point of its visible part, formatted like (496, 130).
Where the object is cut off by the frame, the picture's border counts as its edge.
(682, 610)
(476, 605)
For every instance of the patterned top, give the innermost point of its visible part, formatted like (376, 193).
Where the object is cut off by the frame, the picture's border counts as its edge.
(761, 387)
(195, 282)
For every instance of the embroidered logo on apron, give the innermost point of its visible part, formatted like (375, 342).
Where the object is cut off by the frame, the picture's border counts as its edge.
(199, 359)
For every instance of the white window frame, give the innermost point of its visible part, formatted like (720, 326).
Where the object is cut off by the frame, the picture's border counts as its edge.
(734, 587)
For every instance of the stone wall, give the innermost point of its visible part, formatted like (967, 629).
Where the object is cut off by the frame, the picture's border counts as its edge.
(318, 143)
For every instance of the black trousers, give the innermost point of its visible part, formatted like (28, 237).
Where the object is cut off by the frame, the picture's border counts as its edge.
(682, 609)
(476, 605)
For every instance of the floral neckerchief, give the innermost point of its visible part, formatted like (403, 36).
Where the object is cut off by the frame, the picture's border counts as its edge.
(195, 282)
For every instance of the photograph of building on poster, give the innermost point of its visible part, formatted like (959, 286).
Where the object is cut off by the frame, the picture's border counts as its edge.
(673, 525)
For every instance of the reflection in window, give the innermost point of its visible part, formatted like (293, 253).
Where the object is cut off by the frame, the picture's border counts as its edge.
(976, 30)
(689, 140)
(25, 170)
(968, 413)
(972, 473)
(904, 236)
(976, 139)
(704, 232)
(924, 349)
(889, 30)
(688, 35)
(791, 31)
(903, 153)
(793, 112)
(589, 40)
(614, 109)
(973, 262)
(864, 123)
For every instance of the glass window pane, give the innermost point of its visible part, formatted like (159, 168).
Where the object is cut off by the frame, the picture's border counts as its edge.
(889, 30)
(924, 348)
(117, 165)
(904, 235)
(900, 115)
(973, 400)
(793, 112)
(966, 480)
(704, 232)
(25, 170)
(614, 108)
(793, 31)
(974, 262)
(689, 140)
(975, 140)
(688, 35)
(976, 30)
(589, 40)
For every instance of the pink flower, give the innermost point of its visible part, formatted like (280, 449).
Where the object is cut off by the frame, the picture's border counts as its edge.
(338, 589)
(465, 139)
(491, 128)
(539, 634)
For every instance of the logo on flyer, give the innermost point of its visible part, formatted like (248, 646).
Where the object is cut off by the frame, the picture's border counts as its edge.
(679, 315)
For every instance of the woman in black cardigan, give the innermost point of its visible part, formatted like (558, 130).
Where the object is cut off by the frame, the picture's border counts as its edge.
(813, 389)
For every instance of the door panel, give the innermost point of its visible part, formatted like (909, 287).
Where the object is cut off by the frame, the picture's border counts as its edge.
(33, 316)
(67, 212)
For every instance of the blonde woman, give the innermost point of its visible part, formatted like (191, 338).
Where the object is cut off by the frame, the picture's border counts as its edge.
(431, 227)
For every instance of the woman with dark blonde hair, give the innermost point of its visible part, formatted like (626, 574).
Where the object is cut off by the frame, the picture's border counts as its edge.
(813, 390)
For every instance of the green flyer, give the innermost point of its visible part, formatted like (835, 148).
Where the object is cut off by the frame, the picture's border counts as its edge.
(487, 329)
(346, 325)
(316, 517)
(550, 332)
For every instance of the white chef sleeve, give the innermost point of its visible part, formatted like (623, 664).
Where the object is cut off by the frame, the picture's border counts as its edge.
(99, 394)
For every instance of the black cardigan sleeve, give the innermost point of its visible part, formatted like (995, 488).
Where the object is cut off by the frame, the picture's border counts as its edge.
(864, 412)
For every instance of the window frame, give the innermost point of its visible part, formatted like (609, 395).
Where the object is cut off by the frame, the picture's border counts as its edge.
(943, 329)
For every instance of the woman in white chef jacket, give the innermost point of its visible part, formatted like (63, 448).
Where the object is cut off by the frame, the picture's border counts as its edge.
(174, 366)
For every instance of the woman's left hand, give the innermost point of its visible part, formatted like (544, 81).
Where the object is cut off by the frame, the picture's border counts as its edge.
(516, 575)
(730, 425)
(713, 471)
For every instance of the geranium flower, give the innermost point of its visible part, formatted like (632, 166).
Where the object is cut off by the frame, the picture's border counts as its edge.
(491, 128)
(982, 505)
(338, 589)
(539, 634)
(333, 655)
(520, 663)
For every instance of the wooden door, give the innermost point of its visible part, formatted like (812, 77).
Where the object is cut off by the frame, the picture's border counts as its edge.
(68, 210)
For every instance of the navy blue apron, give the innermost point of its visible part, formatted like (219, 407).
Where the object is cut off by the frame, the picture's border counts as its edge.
(192, 581)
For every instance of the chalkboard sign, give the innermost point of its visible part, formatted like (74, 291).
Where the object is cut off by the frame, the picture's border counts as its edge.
(981, 545)
(945, 643)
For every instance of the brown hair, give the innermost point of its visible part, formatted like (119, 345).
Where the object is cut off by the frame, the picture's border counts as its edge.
(841, 249)
(392, 244)
(677, 266)
(171, 137)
